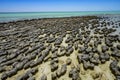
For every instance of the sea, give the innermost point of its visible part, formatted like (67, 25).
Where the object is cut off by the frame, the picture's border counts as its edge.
(15, 16)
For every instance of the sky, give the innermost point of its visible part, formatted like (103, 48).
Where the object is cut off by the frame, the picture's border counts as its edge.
(58, 5)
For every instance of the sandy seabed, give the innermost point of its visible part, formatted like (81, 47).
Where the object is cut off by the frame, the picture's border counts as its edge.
(71, 48)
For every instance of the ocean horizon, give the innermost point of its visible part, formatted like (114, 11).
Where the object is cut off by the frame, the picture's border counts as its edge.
(15, 16)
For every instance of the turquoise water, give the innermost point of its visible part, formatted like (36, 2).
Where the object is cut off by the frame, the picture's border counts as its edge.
(13, 16)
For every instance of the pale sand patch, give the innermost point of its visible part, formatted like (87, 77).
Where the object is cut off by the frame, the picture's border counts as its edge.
(44, 68)
(63, 42)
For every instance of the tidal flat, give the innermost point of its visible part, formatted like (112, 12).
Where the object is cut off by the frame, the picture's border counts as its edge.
(68, 48)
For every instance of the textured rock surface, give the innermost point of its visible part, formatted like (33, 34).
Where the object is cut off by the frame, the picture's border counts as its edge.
(74, 48)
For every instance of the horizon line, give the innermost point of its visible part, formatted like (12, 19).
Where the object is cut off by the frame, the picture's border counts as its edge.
(61, 11)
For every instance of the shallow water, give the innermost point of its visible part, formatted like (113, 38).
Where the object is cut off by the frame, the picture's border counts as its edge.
(13, 16)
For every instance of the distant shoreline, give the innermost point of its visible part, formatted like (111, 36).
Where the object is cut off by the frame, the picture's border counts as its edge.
(57, 11)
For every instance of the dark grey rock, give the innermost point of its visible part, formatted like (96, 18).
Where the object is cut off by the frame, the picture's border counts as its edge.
(62, 48)
(85, 65)
(11, 72)
(14, 64)
(94, 61)
(88, 65)
(88, 50)
(85, 57)
(45, 53)
(40, 60)
(109, 44)
(61, 53)
(68, 39)
(63, 69)
(2, 69)
(58, 41)
(115, 68)
(74, 74)
(33, 49)
(19, 66)
(54, 49)
(79, 58)
(32, 71)
(70, 51)
(113, 49)
(118, 47)
(11, 56)
(70, 73)
(81, 49)
(33, 56)
(117, 77)
(54, 67)
(76, 46)
(107, 56)
(94, 49)
(118, 39)
(3, 52)
(104, 48)
(27, 65)
(23, 77)
(50, 39)
(34, 63)
(69, 47)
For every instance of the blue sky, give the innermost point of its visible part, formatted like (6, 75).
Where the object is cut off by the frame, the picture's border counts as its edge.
(58, 5)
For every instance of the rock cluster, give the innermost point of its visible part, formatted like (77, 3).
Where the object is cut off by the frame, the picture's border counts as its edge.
(29, 45)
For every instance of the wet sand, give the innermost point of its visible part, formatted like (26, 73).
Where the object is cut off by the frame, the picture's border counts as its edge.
(71, 48)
